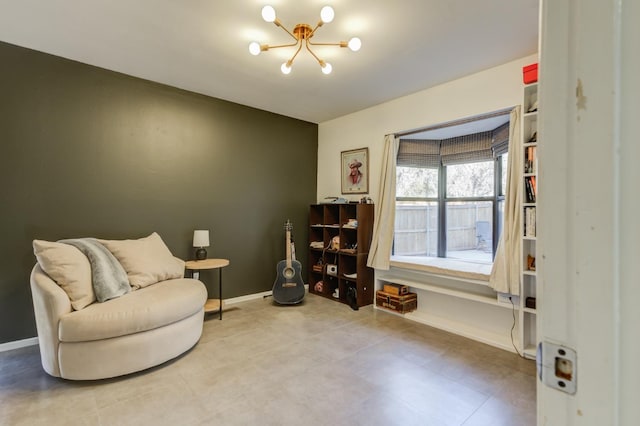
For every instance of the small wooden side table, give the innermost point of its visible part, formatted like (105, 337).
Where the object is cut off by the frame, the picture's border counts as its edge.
(211, 305)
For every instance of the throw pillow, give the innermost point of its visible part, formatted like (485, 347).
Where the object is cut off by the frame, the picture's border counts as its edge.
(147, 260)
(69, 268)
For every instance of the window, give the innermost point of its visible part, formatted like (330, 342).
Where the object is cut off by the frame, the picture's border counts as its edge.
(450, 196)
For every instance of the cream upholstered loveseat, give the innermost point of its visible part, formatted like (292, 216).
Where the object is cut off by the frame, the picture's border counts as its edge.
(159, 318)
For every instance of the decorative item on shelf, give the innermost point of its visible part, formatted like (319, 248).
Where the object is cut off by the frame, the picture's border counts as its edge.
(337, 200)
(530, 73)
(332, 270)
(302, 34)
(318, 287)
(351, 223)
(200, 241)
(336, 293)
(318, 266)
(335, 243)
(531, 263)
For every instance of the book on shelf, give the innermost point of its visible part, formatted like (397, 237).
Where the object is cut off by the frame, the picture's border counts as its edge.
(530, 188)
(529, 221)
(534, 187)
(530, 160)
(528, 191)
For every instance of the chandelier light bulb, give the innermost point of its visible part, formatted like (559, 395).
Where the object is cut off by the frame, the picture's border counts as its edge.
(327, 68)
(355, 44)
(327, 14)
(268, 13)
(254, 48)
(285, 68)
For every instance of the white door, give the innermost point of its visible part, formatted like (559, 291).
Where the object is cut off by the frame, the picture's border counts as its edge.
(589, 207)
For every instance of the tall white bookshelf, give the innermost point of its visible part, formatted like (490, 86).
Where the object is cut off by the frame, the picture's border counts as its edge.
(529, 279)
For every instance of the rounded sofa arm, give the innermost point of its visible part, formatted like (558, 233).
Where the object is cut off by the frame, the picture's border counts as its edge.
(50, 302)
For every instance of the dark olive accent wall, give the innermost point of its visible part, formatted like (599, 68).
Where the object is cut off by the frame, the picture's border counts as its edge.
(90, 152)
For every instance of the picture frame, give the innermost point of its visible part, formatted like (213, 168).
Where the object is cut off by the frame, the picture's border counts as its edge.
(355, 171)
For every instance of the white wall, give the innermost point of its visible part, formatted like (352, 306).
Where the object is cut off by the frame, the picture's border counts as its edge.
(493, 89)
(490, 90)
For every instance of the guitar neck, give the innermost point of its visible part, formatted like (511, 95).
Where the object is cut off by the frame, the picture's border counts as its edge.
(288, 249)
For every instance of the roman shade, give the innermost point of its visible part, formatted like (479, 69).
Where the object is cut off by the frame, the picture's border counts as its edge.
(418, 153)
(476, 147)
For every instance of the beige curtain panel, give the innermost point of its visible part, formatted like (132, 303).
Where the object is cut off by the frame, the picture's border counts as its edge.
(383, 224)
(505, 274)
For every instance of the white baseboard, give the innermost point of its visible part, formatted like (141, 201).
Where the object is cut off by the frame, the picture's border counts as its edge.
(247, 297)
(253, 296)
(464, 330)
(17, 344)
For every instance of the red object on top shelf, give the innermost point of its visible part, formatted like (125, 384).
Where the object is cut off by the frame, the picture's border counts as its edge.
(530, 73)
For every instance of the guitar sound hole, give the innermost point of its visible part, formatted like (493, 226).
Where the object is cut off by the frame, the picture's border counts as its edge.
(288, 273)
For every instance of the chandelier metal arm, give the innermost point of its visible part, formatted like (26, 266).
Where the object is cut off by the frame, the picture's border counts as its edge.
(318, 25)
(290, 61)
(277, 23)
(265, 47)
(320, 61)
(341, 44)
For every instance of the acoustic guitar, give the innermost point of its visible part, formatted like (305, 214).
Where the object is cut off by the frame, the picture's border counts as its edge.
(288, 289)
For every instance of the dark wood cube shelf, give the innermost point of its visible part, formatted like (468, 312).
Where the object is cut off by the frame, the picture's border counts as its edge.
(348, 254)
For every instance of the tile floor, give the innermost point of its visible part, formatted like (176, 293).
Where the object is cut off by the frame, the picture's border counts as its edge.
(319, 363)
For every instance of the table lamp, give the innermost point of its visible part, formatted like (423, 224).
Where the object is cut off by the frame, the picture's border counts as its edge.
(200, 241)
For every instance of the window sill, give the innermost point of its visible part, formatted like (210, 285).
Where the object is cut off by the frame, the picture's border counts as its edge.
(468, 271)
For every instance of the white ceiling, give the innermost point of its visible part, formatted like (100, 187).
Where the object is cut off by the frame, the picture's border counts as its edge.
(202, 46)
(466, 126)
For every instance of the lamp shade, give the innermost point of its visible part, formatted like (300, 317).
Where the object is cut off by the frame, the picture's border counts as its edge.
(201, 238)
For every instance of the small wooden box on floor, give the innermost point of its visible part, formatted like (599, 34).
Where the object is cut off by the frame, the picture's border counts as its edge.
(397, 303)
(397, 289)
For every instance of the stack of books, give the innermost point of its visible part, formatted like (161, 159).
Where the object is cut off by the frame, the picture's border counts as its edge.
(529, 221)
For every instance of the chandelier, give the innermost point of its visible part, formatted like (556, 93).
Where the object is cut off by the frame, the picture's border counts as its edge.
(302, 34)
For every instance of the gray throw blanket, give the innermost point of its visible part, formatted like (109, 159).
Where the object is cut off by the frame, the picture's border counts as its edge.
(109, 278)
